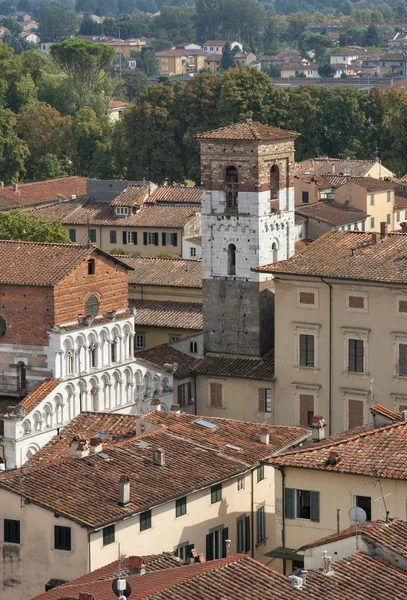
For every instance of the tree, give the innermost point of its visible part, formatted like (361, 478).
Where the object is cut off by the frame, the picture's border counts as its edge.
(371, 36)
(12, 25)
(13, 151)
(55, 24)
(86, 6)
(160, 45)
(89, 135)
(176, 23)
(147, 61)
(134, 83)
(48, 166)
(227, 57)
(326, 71)
(19, 225)
(317, 42)
(207, 19)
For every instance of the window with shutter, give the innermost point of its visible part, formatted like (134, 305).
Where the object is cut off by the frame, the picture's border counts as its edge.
(289, 504)
(306, 409)
(216, 392)
(357, 302)
(145, 238)
(261, 525)
(240, 535)
(11, 531)
(163, 239)
(307, 298)
(402, 360)
(209, 546)
(314, 506)
(355, 355)
(113, 236)
(262, 400)
(225, 536)
(155, 239)
(303, 504)
(402, 306)
(247, 534)
(134, 238)
(174, 239)
(124, 236)
(355, 408)
(307, 350)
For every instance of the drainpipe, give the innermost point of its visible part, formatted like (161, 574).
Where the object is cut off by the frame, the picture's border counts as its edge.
(330, 358)
(89, 554)
(282, 471)
(252, 511)
(195, 395)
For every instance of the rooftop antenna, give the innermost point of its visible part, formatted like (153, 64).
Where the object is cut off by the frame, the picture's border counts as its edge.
(383, 497)
(358, 516)
(120, 586)
(372, 396)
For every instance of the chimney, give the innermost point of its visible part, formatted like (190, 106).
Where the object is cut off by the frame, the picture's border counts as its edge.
(15, 188)
(124, 491)
(264, 436)
(326, 563)
(318, 425)
(78, 447)
(136, 566)
(175, 409)
(195, 557)
(374, 239)
(95, 445)
(404, 415)
(85, 596)
(159, 457)
(228, 544)
(384, 230)
(1, 184)
(333, 458)
(403, 227)
(155, 404)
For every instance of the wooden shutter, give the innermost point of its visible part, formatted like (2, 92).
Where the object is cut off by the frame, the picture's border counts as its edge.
(240, 536)
(355, 413)
(262, 400)
(247, 534)
(134, 238)
(351, 355)
(209, 546)
(307, 298)
(179, 393)
(289, 503)
(216, 395)
(156, 239)
(359, 356)
(174, 239)
(225, 536)
(163, 239)
(303, 350)
(306, 407)
(314, 496)
(402, 360)
(310, 350)
(356, 302)
(124, 235)
(145, 240)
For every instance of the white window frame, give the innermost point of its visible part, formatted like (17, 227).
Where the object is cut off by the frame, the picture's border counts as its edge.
(398, 338)
(398, 298)
(240, 484)
(363, 295)
(122, 210)
(306, 329)
(307, 290)
(138, 336)
(192, 252)
(150, 239)
(355, 333)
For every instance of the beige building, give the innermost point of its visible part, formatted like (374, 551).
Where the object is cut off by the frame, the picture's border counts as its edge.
(373, 196)
(180, 62)
(299, 70)
(341, 329)
(319, 484)
(185, 483)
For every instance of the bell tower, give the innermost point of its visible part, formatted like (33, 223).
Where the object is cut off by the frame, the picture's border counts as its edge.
(247, 220)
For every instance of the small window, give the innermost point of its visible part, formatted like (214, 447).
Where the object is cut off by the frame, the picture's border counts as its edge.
(174, 338)
(232, 186)
(355, 355)
(307, 353)
(92, 306)
(306, 410)
(356, 302)
(364, 502)
(11, 531)
(216, 493)
(192, 252)
(183, 551)
(145, 520)
(401, 308)
(193, 347)
(371, 222)
(181, 507)
(265, 400)
(260, 473)
(240, 484)
(274, 182)
(122, 210)
(62, 538)
(355, 413)
(108, 535)
(182, 394)
(72, 235)
(301, 504)
(261, 524)
(113, 237)
(305, 197)
(174, 239)
(91, 266)
(216, 393)
(92, 235)
(388, 220)
(307, 298)
(371, 199)
(388, 196)
(140, 341)
(398, 217)
(243, 534)
(3, 326)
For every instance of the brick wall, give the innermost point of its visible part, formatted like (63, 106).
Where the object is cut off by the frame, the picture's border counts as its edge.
(109, 284)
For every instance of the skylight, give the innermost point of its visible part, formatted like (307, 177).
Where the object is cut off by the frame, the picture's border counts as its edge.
(205, 423)
(232, 447)
(103, 455)
(101, 435)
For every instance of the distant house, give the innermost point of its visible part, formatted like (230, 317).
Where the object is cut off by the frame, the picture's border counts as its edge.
(398, 41)
(344, 56)
(30, 37)
(394, 63)
(115, 109)
(180, 62)
(217, 46)
(244, 58)
(212, 62)
(297, 69)
(188, 46)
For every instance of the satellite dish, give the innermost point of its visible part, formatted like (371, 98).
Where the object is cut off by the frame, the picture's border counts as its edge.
(357, 515)
(126, 592)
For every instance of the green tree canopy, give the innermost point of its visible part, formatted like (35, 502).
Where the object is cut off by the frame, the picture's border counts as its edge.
(19, 225)
(13, 151)
(55, 24)
(227, 57)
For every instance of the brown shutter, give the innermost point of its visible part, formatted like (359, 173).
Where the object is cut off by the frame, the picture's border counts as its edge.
(262, 400)
(216, 395)
(355, 413)
(306, 409)
(179, 391)
(356, 302)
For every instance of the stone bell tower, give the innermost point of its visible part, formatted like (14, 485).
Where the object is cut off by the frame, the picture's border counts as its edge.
(247, 220)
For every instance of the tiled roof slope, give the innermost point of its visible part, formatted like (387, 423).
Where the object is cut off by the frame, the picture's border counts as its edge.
(57, 212)
(63, 486)
(371, 184)
(41, 191)
(184, 195)
(164, 271)
(165, 354)
(134, 194)
(164, 216)
(163, 313)
(380, 452)
(249, 368)
(35, 397)
(237, 577)
(386, 412)
(334, 166)
(248, 130)
(331, 212)
(351, 255)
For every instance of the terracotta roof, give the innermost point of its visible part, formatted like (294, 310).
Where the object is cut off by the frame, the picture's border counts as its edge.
(248, 368)
(165, 354)
(352, 255)
(334, 166)
(333, 180)
(331, 212)
(164, 216)
(196, 239)
(57, 212)
(179, 53)
(378, 452)
(290, 66)
(237, 577)
(213, 57)
(131, 196)
(34, 398)
(386, 412)
(163, 313)
(300, 245)
(62, 486)
(215, 43)
(400, 195)
(41, 191)
(170, 272)
(249, 130)
(117, 104)
(184, 195)
(400, 202)
(371, 184)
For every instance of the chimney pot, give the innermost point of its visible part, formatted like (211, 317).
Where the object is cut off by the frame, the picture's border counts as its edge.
(79, 447)
(95, 446)
(136, 565)
(318, 425)
(159, 457)
(333, 458)
(404, 415)
(403, 227)
(124, 491)
(155, 404)
(175, 409)
(264, 436)
(384, 230)
(15, 187)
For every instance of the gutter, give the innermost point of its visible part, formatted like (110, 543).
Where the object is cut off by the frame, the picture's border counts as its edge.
(330, 394)
(252, 515)
(282, 471)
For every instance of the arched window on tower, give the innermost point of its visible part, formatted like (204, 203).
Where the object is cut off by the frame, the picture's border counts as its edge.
(232, 259)
(274, 182)
(275, 252)
(21, 378)
(232, 183)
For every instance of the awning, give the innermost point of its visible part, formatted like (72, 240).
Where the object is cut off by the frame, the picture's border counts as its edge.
(285, 553)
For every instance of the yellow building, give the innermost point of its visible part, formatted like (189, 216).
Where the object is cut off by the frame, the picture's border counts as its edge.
(372, 196)
(180, 62)
(298, 69)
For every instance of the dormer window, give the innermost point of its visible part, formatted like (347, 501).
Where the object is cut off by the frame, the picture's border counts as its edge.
(122, 210)
(232, 183)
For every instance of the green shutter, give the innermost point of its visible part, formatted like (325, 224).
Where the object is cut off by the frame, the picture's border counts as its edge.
(190, 547)
(174, 239)
(145, 238)
(134, 238)
(164, 238)
(156, 239)
(247, 534)
(209, 546)
(113, 239)
(314, 506)
(289, 503)
(124, 234)
(225, 536)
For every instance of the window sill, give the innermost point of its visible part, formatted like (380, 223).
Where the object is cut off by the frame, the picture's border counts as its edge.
(363, 374)
(299, 368)
(262, 543)
(397, 378)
